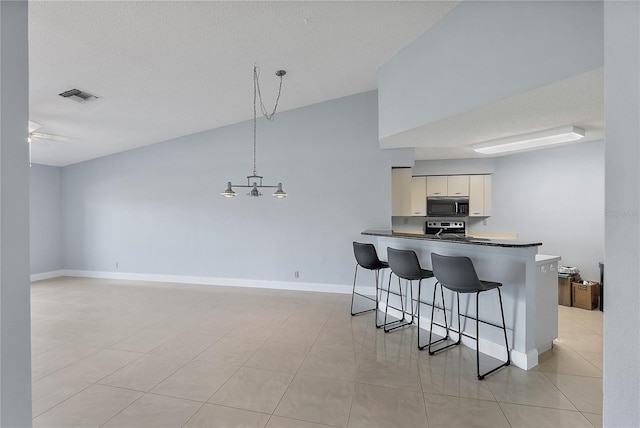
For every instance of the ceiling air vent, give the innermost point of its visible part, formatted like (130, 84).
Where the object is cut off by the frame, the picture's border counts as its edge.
(78, 95)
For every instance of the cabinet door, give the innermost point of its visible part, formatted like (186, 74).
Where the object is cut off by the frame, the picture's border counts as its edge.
(437, 185)
(476, 195)
(458, 185)
(487, 195)
(479, 196)
(419, 196)
(401, 192)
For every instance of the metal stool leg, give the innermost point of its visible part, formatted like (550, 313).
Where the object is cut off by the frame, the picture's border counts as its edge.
(432, 314)
(411, 302)
(379, 279)
(403, 322)
(504, 329)
(446, 326)
(386, 308)
(353, 294)
(444, 312)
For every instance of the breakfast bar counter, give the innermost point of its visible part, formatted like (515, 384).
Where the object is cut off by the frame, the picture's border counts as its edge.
(529, 289)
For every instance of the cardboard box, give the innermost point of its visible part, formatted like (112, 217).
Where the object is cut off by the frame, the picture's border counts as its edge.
(585, 294)
(564, 289)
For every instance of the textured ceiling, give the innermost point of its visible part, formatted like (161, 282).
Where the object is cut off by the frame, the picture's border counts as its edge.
(167, 69)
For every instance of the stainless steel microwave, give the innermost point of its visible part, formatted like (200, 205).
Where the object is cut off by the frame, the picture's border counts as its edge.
(447, 206)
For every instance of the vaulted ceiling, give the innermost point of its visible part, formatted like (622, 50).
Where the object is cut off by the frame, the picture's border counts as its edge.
(166, 69)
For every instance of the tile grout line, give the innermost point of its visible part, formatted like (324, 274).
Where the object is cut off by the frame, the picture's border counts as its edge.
(296, 373)
(191, 417)
(243, 366)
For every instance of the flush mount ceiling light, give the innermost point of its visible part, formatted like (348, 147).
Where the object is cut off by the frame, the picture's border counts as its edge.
(533, 140)
(254, 181)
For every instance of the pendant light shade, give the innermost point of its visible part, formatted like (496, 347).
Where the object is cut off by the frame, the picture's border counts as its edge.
(229, 193)
(254, 191)
(280, 193)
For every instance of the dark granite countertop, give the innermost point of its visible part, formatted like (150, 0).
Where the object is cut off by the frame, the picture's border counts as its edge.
(458, 240)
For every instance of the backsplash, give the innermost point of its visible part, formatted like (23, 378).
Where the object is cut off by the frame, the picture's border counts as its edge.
(408, 224)
(416, 224)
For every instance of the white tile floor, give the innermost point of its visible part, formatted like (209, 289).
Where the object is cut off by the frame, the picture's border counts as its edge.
(133, 354)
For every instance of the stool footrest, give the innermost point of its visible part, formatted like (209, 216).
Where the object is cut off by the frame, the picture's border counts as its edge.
(401, 323)
(433, 343)
(505, 364)
(366, 296)
(435, 351)
(484, 322)
(362, 312)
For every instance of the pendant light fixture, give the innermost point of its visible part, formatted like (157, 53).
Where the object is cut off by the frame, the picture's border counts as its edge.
(254, 181)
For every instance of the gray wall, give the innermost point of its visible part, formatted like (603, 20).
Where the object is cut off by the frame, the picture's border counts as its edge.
(465, 61)
(622, 224)
(45, 196)
(158, 209)
(554, 196)
(15, 316)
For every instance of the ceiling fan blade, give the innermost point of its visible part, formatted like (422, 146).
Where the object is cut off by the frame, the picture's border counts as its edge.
(51, 137)
(33, 126)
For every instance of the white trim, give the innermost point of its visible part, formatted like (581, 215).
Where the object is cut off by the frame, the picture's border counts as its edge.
(525, 361)
(206, 280)
(47, 275)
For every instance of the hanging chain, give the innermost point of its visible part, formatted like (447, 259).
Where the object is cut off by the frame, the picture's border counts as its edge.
(269, 116)
(255, 84)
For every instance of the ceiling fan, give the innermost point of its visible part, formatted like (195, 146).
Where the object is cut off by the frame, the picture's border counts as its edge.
(42, 138)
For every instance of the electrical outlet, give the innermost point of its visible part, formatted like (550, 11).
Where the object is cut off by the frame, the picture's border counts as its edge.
(484, 221)
(296, 274)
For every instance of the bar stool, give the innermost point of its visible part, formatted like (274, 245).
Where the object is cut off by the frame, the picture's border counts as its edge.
(458, 275)
(404, 264)
(367, 258)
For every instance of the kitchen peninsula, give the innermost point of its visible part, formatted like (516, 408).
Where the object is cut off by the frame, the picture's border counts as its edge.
(529, 290)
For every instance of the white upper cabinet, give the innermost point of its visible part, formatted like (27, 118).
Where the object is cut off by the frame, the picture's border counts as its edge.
(401, 192)
(437, 185)
(458, 185)
(419, 196)
(452, 185)
(409, 193)
(479, 196)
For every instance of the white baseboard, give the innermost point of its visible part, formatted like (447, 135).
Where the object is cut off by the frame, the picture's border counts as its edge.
(47, 275)
(205, 280)
(525, 361)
